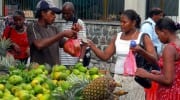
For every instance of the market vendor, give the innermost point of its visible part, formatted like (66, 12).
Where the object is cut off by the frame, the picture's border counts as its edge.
(44, 39)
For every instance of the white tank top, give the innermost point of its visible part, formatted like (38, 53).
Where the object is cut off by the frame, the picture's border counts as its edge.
(122, 49)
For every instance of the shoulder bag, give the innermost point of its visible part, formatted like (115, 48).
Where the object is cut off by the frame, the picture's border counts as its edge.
(143, 63)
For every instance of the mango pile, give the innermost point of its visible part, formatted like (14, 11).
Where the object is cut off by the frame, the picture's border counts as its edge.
(40, 82)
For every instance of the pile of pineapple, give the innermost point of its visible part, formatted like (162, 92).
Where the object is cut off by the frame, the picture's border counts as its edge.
(44, 82)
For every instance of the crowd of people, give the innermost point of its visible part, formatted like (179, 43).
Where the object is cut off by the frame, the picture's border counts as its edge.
(44, 43)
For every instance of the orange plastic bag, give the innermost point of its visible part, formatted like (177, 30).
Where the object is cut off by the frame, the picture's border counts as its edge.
(130, 64)
(151, 94)
(72, 47)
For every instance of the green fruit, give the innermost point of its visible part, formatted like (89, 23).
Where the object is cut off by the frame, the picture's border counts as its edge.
(58, 68)
(15, 79)
(45, 97)
(8, 85)
(15, 98)
(42, 67)
(76, 71)
(38, 89)
(38, 71)
(7, 92)
(46, 91)
(28, 87)
(82, 69)
(24, 95)
(1, 94)
(63, 76)
(2, 87)
(14, 89)
(45, 85)
(77, 65)
(68, 72)
(45, 72)
(55, 75)
(94, 77)
(40, 79)
(39, 96)
(31, 92)
(80, 76)
(93, 71)
(88, 76)
(7, 97)
(35, 82)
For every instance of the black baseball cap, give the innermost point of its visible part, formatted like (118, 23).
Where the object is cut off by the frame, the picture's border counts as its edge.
(47, 4)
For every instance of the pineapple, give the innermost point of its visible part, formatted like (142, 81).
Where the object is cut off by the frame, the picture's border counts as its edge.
(101, 89)
(6, 61)
(4, 45)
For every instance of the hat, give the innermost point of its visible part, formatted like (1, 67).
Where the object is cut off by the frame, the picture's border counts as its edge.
(47, 4)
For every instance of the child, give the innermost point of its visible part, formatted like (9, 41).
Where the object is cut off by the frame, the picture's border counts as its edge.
(17, 34)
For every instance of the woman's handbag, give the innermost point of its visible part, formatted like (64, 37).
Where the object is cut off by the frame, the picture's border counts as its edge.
(143, 63)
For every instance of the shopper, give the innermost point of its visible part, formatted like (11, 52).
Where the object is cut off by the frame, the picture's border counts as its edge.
(169, 76)
(120, 45)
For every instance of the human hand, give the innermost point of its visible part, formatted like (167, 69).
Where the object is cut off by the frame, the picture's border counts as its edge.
(16, 48)
(28, 51)
(141, 73)
(156, 72)
(76, 27)
(70, 33)
(89, 43)
(136, 49)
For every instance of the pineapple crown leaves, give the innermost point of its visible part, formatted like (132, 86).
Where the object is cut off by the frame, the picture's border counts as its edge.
(7, 62)
(74, 93)
(4, 45)
(21, 65)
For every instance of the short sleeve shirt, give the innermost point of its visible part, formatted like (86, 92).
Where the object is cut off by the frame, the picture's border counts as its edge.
(150, 29)
(50, 54)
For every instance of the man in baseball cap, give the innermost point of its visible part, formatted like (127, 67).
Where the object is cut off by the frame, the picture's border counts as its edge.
(43, 37)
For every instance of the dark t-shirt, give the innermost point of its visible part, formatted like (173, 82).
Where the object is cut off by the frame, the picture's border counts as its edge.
(50, 54)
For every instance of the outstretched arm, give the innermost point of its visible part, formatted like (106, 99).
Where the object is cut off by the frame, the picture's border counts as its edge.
(107, 53)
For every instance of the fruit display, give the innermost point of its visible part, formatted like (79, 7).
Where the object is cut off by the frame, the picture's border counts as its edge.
(36, 82)
(44, 82)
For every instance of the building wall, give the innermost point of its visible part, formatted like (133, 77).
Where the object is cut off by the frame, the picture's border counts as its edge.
(1, 6)
(137, 5)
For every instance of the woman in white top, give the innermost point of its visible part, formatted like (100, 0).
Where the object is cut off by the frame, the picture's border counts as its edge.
(120, 45)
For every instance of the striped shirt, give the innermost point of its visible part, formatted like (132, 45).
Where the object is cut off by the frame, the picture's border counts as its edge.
(65, 58)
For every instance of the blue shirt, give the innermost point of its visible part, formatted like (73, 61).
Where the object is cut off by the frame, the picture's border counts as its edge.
(150, 29)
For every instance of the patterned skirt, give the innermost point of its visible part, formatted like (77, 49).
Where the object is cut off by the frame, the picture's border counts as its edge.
(135, 91)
